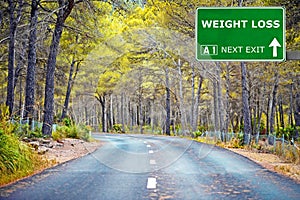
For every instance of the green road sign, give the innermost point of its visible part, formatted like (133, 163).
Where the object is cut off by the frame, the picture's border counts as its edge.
(240, 34)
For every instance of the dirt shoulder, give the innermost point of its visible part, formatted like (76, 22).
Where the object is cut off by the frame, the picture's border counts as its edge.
(272, 162)
(69, 149)
(53, 153)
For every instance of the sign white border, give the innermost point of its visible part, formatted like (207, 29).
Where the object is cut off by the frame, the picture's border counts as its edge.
(243, 60)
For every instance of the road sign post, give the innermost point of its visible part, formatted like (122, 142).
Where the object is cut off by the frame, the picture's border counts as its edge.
(240, 34)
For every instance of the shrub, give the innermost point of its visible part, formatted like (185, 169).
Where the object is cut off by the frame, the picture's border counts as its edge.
(85, 132)
(37, 133)
(117, 128)
(10, 156)
(63, 131)
(74, 131)
(202, 129)
(67, 122)
(237, 141)
(17, 160)
(197, 134)
(288, 132)
(57, 135)
(288, 152)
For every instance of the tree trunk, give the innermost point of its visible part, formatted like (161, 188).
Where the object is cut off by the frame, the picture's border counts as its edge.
(122, 112)
(86, 116)
(245, 98)
(268, 117)
(65, 8)
(140, 103)
(273, 104)
(168, 102)
(152, 115)
(130, 120)
(181, 100)
(297, 113)
(131, 115)
(69, 88)
(277, 118)
(220, 99)
(246, 109)
(254, 108)
(20, 99)
(141, 115)
(291, 121)
(261, 98)
(281, 114)
(193, 123)
(102, 101)
(255, 111)
(1, 16)
(111, 112)
(20, 64)
(227, 118)
(30, 78)
(216, 107)
(13, 21)
(67, 97)
(197, 102)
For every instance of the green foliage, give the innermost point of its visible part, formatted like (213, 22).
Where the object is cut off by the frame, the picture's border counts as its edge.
(202, 129)
(117, 128)
(57, 135)
(37, 133)
(71, 130)
(13, 154)
(24, 130)
(61, 132)
(177, 128)
(288, 152)
(288, 132)
(4, 113)
(17, 160)
(237, 141)
(196, 134)
(5, 125)
(206, 140)
(67, 122)
(74, 131)
(199, 132)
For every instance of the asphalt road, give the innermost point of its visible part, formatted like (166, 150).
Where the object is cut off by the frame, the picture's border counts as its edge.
(155, 167)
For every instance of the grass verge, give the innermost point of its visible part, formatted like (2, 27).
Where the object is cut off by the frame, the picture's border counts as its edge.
(17, 160)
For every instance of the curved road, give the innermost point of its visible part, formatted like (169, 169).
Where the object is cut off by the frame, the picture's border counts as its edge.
(155, 167)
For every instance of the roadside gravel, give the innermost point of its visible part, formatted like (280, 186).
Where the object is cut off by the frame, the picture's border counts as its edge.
(272, 162)
(70, 149)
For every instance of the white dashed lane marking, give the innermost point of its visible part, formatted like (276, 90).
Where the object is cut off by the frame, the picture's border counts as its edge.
(151, 184)
(152, 162)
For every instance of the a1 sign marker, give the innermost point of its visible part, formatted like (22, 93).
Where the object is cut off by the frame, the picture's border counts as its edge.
(240, 34)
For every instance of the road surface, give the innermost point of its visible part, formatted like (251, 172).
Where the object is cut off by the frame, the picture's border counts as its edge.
(155, 167)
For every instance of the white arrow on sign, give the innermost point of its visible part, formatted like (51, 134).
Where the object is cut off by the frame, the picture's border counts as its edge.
(274, 44)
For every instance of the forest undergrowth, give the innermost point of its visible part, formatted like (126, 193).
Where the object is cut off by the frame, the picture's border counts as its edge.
(18, 158)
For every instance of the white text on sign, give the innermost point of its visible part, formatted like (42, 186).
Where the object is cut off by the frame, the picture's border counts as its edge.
(215, 24)
(242, 49)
